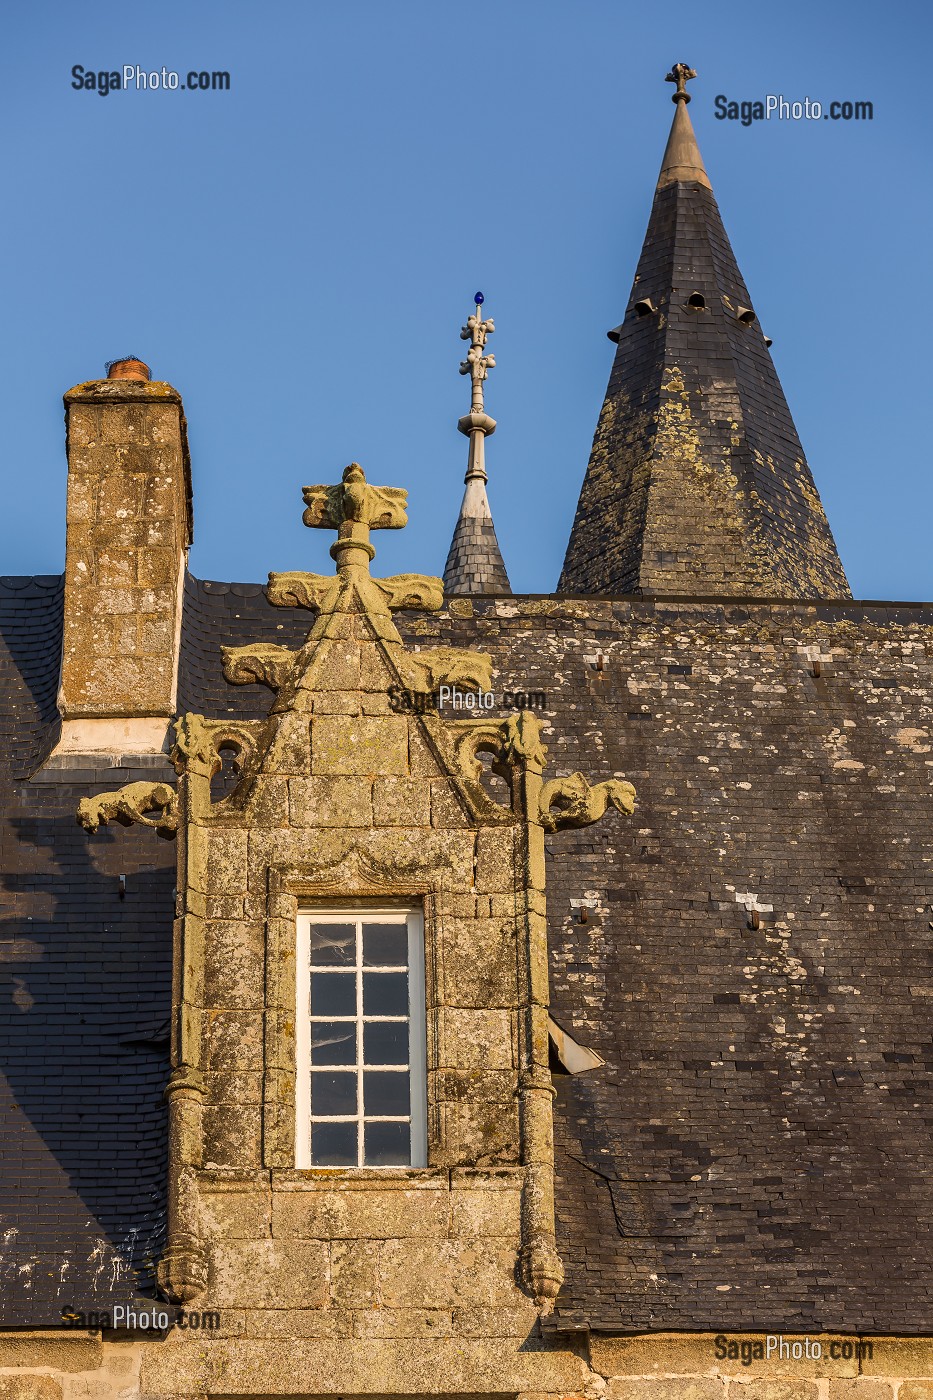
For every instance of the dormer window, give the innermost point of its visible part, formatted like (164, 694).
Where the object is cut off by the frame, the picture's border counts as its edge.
(360, 1039)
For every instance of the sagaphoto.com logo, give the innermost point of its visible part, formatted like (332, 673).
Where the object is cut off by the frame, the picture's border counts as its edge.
(132, 78)
(776, 107)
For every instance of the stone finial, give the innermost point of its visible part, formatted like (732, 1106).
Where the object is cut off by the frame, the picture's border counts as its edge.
(353, 509)
(474, 563)
(477, 364)
(681, 75)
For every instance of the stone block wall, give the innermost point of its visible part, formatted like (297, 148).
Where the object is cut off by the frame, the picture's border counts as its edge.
(128, 530)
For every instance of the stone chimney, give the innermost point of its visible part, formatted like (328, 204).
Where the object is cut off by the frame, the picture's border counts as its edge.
(128, 532)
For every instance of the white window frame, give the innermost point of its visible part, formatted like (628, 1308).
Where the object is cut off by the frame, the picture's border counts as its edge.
(413, 917)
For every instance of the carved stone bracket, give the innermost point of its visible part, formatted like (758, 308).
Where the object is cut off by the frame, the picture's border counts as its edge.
(182, 1270)
(426, 670)
(149, 804)
(264, 662)
(542, 1272)
(572, 801)
(420, 591)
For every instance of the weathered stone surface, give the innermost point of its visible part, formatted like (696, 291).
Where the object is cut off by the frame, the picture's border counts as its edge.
(900, 1356)
(51, 1351)
(26, 1387)
(675, 1388)
(446, 1273)
(864, 1388)
(354, 1274)
(401, 802)
(271, 1273)
(330, 801)
(128, 529)
(766, 1389)
(386, 1213)
(236, 1215)
(369, 744)
(476, 1038)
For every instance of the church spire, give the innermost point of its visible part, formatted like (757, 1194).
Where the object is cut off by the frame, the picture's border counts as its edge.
(697, 482)
(474, 564)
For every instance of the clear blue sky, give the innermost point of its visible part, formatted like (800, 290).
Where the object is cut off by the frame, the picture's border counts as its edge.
(297, 255)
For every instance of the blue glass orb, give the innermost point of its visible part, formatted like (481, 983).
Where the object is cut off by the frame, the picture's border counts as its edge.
(479, 298)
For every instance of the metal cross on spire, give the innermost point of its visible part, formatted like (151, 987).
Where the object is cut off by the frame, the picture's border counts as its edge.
(477, 364)
(681, 75)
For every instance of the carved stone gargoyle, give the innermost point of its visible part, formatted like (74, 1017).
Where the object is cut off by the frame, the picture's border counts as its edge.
(150, 804)
(572, 801)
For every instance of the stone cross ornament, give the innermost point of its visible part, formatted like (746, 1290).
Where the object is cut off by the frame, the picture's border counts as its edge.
(353, 509)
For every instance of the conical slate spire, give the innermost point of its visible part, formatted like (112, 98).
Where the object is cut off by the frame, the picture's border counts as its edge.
(474, 563)
(697, 482)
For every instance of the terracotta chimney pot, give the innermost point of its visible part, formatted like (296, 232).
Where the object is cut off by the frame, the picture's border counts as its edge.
(129, 369)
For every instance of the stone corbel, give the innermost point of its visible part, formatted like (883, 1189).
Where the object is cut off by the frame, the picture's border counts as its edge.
(263, 662)
(572, 801)
(427, 670)
(542, 1271)
(149, 804)
(420, 591)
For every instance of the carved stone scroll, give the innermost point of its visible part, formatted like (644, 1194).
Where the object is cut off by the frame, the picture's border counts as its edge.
(297, 589)
(264, 662)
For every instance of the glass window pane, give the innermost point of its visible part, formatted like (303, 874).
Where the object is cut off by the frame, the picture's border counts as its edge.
(384, 1043)
(333, 994)
(334, 1043)
(332, 1093)
(333, 1144)
(385, 945)
(385, 993)
(333, 944)
(387, 1144)
(386, 1093)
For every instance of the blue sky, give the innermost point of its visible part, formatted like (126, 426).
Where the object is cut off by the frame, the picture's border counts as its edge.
(297, 255)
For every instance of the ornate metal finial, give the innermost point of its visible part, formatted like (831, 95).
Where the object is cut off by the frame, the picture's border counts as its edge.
(476, 363)
(681, 75)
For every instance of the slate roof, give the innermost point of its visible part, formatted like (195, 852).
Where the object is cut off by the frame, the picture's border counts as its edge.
(474, 561)
(84, 1029)
(757, 1151)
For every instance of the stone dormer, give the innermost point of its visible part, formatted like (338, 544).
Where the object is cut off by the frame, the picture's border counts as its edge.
(353, 813)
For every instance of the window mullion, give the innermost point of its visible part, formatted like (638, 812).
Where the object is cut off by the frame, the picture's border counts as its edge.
(360, 1136)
